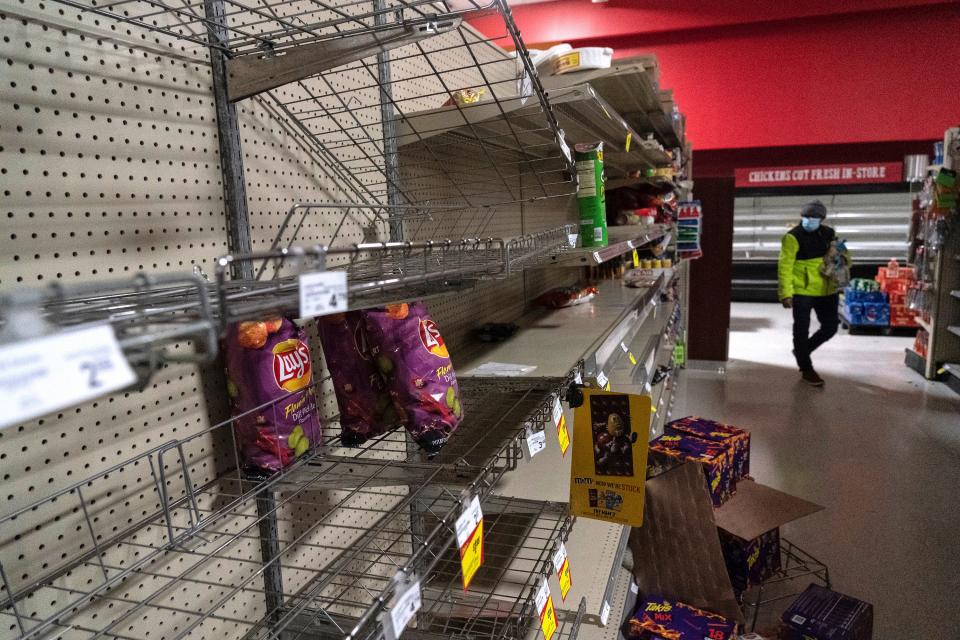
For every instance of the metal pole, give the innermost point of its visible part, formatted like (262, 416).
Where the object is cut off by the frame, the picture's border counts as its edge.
(228, 134)
(391, 164)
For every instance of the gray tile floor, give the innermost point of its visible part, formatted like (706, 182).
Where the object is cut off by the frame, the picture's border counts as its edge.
(879, 447)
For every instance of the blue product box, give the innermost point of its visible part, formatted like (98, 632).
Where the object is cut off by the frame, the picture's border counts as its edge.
(852, 295)
(854, 312)
(876, 314)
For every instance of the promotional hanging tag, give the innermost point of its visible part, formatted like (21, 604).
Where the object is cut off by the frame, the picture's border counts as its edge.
(636, 259)
(561, 424)
(48, 373)
(469, 527)
(548, 615)
(609, 467)
(602, 381)
(629, 140)
(405, 603)
(536, 441)
(322, 293)
(561, 562)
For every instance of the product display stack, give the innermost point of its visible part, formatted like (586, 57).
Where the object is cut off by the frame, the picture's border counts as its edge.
(894, 281)
(689, 225)
(865, 304)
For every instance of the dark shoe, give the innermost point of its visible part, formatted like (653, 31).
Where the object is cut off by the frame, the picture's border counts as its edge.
(810, 377)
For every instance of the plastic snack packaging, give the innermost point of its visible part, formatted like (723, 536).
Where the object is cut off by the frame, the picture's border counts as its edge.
(410, 354)
(268, 366)
(560, 297)
(659, 617)
(366, 407)
(591, 199)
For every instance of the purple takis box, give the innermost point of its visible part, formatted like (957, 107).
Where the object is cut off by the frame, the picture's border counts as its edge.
(713, 457)
(737, 439)
(659, 617)
(751, 561)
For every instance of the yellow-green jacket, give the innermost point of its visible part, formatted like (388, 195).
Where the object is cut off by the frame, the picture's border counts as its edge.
(798, 269)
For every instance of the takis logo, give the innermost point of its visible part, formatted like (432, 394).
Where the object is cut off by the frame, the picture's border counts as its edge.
(431, 338)
(659, 607)
(291, 364)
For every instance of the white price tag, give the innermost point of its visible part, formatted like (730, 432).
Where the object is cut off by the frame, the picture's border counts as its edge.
(604, 613)
(536, 441)
(578, 378)
(407, 601)
(543, 594)
(468, 520)
(323, 293)
(557, 412)
(624, 347)
(559, 557)
(572, 239)
(602, 380)
(52, 372)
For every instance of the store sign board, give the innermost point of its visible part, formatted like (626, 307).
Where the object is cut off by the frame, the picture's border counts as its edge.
(819, 174)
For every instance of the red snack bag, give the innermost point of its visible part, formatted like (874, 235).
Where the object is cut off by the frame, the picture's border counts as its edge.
(410, 353)
(366, 407)
(269, 375)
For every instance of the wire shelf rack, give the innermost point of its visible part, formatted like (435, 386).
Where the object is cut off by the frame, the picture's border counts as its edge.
(400, 101)
(342, 528)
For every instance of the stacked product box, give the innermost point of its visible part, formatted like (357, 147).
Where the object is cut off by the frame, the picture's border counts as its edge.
(750, 561)
(659, 618)
(736, 439)
(865, 304)
(714, 458)
(822, 614)
(894, 280)
(689, 219)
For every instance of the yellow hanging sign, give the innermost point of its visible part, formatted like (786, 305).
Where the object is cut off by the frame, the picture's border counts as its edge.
(561, 423)
(548, 615)
(629, 139)
(561, 562)
(636, 259)
(469, 527)
(609, 470)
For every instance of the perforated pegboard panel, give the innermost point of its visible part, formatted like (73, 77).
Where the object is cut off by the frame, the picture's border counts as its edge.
(109, 165)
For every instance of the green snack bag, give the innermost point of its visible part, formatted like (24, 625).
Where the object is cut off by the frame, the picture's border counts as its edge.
(591, 198)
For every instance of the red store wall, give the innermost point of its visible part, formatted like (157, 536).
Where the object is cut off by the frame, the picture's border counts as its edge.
(761, 74)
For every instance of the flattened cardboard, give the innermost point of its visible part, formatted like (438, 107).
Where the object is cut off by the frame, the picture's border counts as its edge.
(755, 509)
(676, 553)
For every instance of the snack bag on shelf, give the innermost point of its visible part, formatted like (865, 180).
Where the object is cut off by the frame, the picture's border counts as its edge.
(659, 617)
(268, 380)
(560, 297)
(366, 407)
(410, 353)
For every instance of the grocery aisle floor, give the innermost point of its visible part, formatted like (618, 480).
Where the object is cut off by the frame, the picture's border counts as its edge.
(879, 447)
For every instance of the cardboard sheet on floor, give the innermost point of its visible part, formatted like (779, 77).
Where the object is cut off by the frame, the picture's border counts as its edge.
(676, 553)
(755, 509)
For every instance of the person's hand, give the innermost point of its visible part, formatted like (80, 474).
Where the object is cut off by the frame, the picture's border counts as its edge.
(787, 303)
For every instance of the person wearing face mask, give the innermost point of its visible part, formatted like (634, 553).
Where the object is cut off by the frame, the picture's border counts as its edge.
(803, 288)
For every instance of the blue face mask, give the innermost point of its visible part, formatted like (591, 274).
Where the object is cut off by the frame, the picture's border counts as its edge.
(810, 224)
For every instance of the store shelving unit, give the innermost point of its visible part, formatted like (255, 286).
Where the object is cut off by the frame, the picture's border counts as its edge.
(622, 241)
(264, 140)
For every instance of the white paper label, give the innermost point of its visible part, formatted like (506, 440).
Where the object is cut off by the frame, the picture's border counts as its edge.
(633, 587)
(557, 412)
(322, 293)
(598, 234)
(602, 380)
(542, 595)
(572, 239)
(578, 378)
(624, 347)
(61, 370)
(405, 606)
(536, 441)
(604, 613)
(559, 557)
(468, 521)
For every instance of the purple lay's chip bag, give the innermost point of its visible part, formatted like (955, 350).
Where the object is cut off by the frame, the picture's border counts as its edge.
(268, 363)
(366, 407)
(412, 356)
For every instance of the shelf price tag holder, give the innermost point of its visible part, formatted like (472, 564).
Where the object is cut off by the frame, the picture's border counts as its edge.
(321, 292)
(405, 603)
(545, 610)
(51, 372)
(561, 562)
(469, 528)
(536, 440)
(563, 435)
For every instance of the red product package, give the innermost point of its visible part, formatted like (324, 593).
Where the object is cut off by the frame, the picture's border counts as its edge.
(366, 407)
(269, 376)
(567, 296)
(410, 353)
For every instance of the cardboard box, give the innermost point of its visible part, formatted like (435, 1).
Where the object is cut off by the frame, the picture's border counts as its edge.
(676, 553)
(659, 618)
(750, 530)
(822, 614)
(714, 458)
(735, 439)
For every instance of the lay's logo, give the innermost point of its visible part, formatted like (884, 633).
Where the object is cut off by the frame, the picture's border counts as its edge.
(291, 364)
(431, 339)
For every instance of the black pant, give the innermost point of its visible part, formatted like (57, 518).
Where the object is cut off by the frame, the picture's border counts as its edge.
(826, 308)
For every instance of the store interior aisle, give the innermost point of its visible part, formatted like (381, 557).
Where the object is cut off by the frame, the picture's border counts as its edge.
(879, 447)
